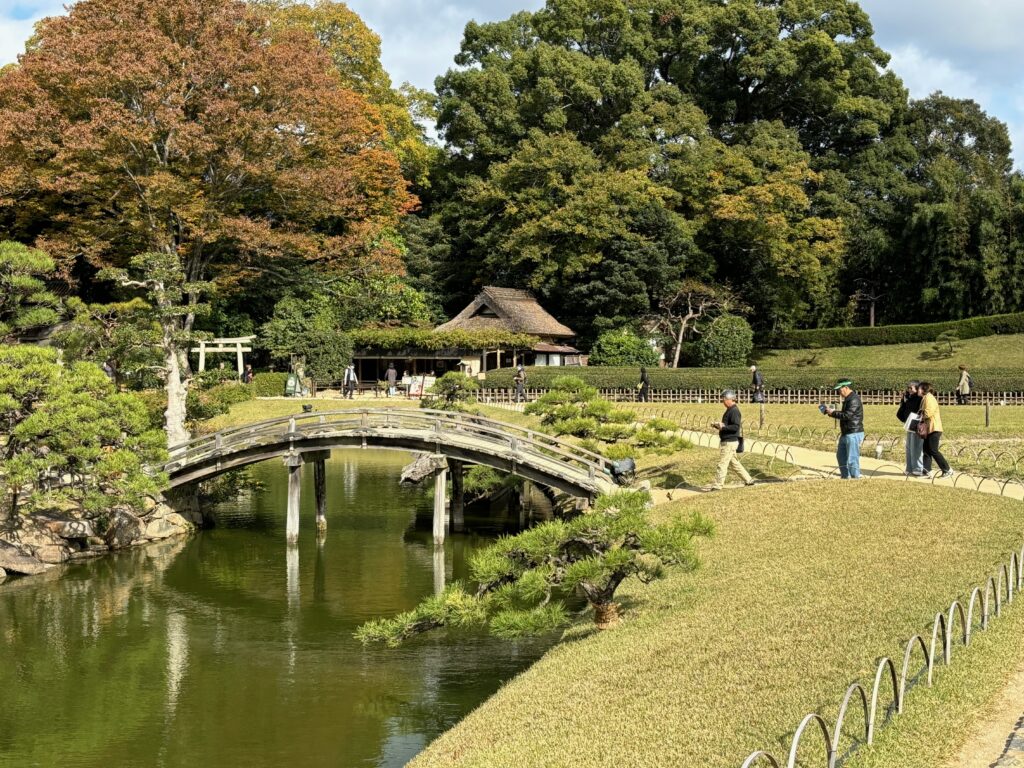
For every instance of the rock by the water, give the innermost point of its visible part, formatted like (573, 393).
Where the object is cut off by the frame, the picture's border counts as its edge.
(15, 560)
(170, 524)
(55, 554)
(3, 575)
(426, 465)
(65, 526)
(124, 529)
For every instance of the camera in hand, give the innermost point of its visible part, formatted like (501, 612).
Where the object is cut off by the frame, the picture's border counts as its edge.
(822, 407)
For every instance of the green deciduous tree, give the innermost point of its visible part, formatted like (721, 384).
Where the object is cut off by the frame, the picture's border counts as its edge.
(312, 329)
(67, 435)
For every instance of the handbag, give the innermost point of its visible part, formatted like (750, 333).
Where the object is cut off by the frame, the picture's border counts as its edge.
(924, 428)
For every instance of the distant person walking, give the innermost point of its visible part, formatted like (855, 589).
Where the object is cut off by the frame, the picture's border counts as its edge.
(108, 369)
(908, 414)
(757, 384)
(851, 430)
(391, 377)
(519, 380)
(643, 389)
(730, 433)
(964, 387)
(930, 430)
(247, 374)
(350, 381)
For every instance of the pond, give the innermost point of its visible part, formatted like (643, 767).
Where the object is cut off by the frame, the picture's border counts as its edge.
(231, 649)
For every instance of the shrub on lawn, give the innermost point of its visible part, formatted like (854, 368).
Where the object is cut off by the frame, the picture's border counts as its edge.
(622, 347)
(727, 342)
(270, 384)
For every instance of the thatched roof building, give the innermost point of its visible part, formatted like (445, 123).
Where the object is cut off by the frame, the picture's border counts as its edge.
(509, 309)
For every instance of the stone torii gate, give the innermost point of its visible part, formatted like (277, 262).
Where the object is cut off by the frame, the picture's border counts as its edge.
(239, 346)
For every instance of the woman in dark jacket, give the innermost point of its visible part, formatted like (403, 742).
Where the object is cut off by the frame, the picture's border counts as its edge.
(644, 387)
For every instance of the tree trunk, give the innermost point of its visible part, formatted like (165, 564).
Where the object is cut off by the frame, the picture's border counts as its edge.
(606, 615)
(679, 345)
(177, 393)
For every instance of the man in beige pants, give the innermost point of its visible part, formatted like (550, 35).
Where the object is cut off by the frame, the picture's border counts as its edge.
(730, 431)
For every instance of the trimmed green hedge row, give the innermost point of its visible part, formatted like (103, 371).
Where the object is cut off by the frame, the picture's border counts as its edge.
(972, 328)
(985, 379)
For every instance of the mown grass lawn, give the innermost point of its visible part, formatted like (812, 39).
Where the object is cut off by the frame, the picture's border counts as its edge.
(987, 352)
(260, 410)
(802, 588)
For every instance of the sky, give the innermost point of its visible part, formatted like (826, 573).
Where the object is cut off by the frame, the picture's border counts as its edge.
(965, 48)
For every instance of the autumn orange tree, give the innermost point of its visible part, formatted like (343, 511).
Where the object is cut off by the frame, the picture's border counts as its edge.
(183, 128)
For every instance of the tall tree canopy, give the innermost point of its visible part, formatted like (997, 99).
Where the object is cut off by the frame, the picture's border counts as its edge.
(602, 149)
(182, 128)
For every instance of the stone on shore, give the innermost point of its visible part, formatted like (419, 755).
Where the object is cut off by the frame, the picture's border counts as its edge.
(424, 466)
(15, 560)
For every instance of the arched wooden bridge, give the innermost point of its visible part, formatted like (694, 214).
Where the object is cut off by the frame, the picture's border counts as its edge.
(308, 437)
(533, 455)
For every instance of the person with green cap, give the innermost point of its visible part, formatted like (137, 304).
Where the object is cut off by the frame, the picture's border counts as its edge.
(851, 430)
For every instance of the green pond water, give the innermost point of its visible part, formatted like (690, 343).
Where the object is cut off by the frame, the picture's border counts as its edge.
(231, 649)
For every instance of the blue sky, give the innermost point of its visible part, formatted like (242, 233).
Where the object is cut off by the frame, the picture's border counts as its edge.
(966, 49)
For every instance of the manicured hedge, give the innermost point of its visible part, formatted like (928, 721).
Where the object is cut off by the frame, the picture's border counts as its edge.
(990, 379)
(972, 328)
(398, 339)
(269, 384)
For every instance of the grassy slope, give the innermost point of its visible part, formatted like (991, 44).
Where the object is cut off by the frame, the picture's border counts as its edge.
(259, 410)
(802, 588)
(988, 352)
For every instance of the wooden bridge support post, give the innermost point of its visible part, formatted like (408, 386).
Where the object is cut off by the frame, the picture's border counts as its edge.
(440, 503)
(458, 504)
(294, 462)
(320, 488)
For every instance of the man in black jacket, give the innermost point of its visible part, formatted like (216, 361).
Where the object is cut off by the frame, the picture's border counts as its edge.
(851, 430)
(730, 432)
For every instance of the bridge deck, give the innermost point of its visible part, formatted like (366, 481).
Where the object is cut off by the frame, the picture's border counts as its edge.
(508, 447)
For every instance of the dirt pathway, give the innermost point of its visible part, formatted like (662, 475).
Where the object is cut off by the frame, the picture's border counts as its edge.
(998, 741)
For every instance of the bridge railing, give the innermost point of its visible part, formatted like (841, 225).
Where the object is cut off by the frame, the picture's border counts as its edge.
(501, 435)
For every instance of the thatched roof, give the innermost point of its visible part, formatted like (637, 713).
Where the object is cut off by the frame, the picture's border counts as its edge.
(507, 309)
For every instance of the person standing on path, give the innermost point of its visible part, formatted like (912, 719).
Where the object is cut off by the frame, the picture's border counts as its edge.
(757, 383)
(730, 432)
(910, 406)
(931, 430)
(964, 387)
(391, 377)
(644, 387)
(350, 382)
(520, 383)
(851, 430)
(247, 374)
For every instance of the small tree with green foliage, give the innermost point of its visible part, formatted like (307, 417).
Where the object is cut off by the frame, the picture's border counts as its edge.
(67, 435)
(24, 301)
(452, 392)
(727, 342)
(312, 329)
(525, 584)
(622, 348)
(573, 407)
(945, 344)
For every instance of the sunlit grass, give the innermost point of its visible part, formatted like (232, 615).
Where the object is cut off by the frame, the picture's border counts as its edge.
(261, 410)
(803, 586)
(988, 352)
